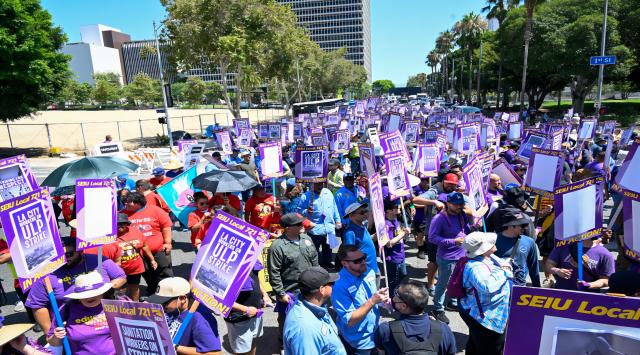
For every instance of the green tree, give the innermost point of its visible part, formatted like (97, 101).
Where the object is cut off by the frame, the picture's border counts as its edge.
(177, 91)
(433, 59)
(419, 79)
(530, 5)
(444, 45)
(194, 90)
(382, 86)
(108, 88)
(213, 92)
(143, 89)
(32, 70)
(82, 93)
(469, 31)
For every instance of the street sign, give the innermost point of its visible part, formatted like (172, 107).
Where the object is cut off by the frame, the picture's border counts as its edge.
(603, 60)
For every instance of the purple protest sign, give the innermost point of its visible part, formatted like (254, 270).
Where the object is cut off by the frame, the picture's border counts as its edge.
(297, 130)
(608, 127)
(244, 137)
(318, 140)
(270, 159)
(31, 230)
(627, 177)
(224, 141)
(477, 193)
(631, 217)
(515, 131)
(96, 212)
(556, 139)
(312, 164)
(241, 123)
(587, 128)
(467, 139)
(397, 178)
(263, 130)
(367, 159)
(377, 209)
(544, 171)
(340, 141)
(224, 261)
(506, 173)
(410, 131)
(275, 131)
(532, 140)
(182, 144)
(486, 164)
(138, 328)
(428, 159)
(430, 136)
(16, 178)
(582, 217)
(392, 142)
(626, 136)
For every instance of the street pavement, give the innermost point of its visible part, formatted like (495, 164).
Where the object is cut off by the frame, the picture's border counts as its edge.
(183, 255)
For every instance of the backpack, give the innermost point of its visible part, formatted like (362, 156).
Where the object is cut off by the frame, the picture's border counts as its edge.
(455, 287)
(407, 347)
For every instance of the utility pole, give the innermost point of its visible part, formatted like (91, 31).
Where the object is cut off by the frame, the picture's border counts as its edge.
(164, 93)
(479, 67)
(601, 69)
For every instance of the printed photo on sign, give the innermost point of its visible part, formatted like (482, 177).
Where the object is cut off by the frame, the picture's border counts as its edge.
(263, 131)
(367, 159)
(35, 241)
(587, 129)
(274, 131)
(13, 182)
(532, 141)
(139, 336)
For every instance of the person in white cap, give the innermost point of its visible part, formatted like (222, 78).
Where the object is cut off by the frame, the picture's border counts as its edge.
(487, 282)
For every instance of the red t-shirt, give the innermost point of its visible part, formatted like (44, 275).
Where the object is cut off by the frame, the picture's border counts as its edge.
(194, 218)
(217, 200)
(153, 199)
(130, 248)
(150, 220)
(261, 211)
(109, 251)
(159, 181)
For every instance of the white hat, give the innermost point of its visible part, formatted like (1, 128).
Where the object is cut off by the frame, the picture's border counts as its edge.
(353, 207)
(11, 331)
(89, 285)
(170, 288)
(478, 243)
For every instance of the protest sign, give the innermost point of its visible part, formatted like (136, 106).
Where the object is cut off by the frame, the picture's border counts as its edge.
(16, 178)
(138, 328)
(312, 164)
(182, 144)
(486, 164)
(506, 173)
(318, 140)
(627, 177)
(515, 131)
(367, 159)
(427, 160)
(532, 140)
(631, 218)
(625, 138)
(467, 138)
(31, 231)
(377, 210)
(545, 171)
(410, 131)
(96, 212)
(556, 139)
(274, 131)
(487, 133)
(244, 137)
(297, 130)
(374, 138)
(392, 142)
(240, 124)
(397, 178)
(224, 261)
(108, 148)
(263, 130)
(587, 128)
(607, 128)
(578, 210)
(472, 175)
(340, 141)
(270, 159)
(394, 121)
(513, 117)
(564, 322)
(224, 142)
(263, 274)
(430, 136)
(178, 194)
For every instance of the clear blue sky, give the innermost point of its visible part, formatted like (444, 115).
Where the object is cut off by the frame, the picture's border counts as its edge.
(402, 31)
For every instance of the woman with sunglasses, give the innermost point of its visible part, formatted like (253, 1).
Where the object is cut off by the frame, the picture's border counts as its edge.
(200, 219)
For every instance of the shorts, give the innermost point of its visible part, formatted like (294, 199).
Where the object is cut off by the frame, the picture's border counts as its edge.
(134, 279)
(432, 250)
(242, 334)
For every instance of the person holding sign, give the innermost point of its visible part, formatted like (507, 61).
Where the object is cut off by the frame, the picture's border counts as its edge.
(356, 233)
(200, 219)
(394, 250)
(198, 338)
(597, 265)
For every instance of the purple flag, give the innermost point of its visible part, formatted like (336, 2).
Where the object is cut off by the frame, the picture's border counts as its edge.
(138, 328)
(312, 164)
(578, 210)
(397, 178)
(31, 230)
(16, 178)
(96, 212)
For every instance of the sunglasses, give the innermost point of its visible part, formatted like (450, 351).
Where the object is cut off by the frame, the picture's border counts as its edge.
(363, 212)
(357, 261)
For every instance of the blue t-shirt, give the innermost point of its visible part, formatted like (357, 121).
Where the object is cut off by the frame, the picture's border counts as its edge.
(357, 235)
(309, 329)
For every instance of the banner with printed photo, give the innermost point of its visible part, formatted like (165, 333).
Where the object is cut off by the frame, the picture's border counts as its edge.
(318, 139)
(505, 172)
(467, 138)
(627, 177)
(263, 130)
(340, 140)
(367, 159)
(31, 230)
(475, 189)
(312, 164)
(224, 261)
(16, 178)
(587, 128)
(275, 131)
(397, 178)
(297, 131)
(578, 210)
(631, 218)
(607, 128)
(377, 210)
(178, 194)
(224, 142)
(245, 136)
(96, 212)
(544, 171)
(561, 322)
(391, 142)
(486, 163)
(411, 131)
(532, 140)
(270, 159)
(138, 328)
(182, 144)
(427, 162)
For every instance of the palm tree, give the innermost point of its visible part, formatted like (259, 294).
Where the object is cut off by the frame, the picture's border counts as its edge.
(528, 29)
(498, 9)
(469, 31)
(433, 58)
(444, 44)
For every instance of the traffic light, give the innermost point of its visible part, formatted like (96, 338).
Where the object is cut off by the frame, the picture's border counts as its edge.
(162, 120)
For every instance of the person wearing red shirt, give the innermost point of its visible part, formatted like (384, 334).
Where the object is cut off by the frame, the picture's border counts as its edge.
(158, 178)
(155, 226)
(153, 199)
(261, 209)
(200, 219)
(226, 202)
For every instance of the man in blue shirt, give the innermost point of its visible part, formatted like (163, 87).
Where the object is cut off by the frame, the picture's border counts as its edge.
(355, 298)
(356, 233)
(309, 328)
(525, 256)
(414, 331)
(347, 194)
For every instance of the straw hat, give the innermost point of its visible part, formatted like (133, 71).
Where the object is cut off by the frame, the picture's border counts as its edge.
(89, 285)
(12, 331)
(173, 164)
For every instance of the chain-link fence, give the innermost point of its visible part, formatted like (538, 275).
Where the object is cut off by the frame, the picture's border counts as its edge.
(133, 133)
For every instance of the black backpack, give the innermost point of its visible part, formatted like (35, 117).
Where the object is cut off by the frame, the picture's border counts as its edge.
(407, 347)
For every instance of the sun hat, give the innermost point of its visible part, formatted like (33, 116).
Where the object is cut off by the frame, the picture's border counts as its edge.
(173, 165)
(158, 171)
(170, 288)
(11, 331)
(353, 207)
(89, 285)
(478, 243)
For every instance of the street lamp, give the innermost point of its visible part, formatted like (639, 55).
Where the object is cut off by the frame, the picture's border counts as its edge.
(164, 93)
(601, 69)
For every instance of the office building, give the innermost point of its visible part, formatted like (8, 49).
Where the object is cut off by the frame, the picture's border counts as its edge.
(334, 24)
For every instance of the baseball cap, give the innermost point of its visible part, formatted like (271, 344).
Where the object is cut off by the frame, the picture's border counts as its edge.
(451, 178)
(158, 171)
(456, 198)
(515, 218)
(315, 277)
(348, 176)
(169, 289)
(291, 219)
(334, 162)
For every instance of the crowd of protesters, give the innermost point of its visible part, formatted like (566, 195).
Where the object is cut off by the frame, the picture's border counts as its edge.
(331, 302)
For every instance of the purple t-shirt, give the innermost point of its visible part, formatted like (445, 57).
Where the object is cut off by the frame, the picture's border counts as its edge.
(443, 231)
(199, 332)
(417, 191)
(601, 263)
(87, 329)
(63, 279)
(394, 254)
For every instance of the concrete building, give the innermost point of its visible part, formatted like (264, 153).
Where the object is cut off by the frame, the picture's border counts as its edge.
(334, 24)
(89, 59)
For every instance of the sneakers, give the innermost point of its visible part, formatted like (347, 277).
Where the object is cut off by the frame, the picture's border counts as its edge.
(432, 291)
(548, 283)
(451, 306)
(421, 254)
(19, 307)
(440, 315)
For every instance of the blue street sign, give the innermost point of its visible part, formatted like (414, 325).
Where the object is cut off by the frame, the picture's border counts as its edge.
(603, 60)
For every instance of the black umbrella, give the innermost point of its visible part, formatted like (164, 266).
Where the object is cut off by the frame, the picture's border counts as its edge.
(224, 181)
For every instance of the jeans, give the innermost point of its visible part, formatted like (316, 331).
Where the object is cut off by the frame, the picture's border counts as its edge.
(445, 268)
(395, 273)
(324, 256)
